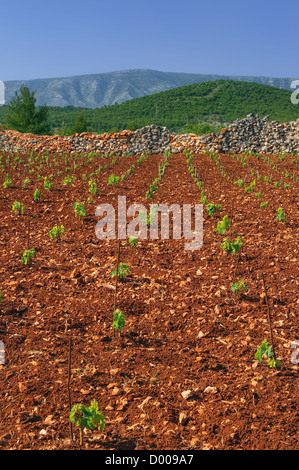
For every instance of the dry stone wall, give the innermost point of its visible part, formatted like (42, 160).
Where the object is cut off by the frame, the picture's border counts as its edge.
(251, 133)
(152, 139)
(257, 135)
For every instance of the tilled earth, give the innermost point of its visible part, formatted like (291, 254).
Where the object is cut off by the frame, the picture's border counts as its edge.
(182, 375)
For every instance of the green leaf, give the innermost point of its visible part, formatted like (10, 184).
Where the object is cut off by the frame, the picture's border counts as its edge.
(118, 320)
(87, 417)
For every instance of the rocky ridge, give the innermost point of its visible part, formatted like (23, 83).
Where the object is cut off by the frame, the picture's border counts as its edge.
(251, 133)
(105, 89)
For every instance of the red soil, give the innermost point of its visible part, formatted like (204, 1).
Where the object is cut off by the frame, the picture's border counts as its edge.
(183, 373)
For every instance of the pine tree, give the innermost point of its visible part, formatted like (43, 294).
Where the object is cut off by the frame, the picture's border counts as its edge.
(23, 115)
(80, 125)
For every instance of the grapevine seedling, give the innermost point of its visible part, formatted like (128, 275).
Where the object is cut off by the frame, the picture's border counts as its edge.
(222, 226)
(149, 194)
(36, 195)
(18, 207)
(161, 170)
(212, 208)
(7, 182)
(57, 232)
(87, 417)
(264, 350)
(79, 209)
(204, 200)
(250, 187)
(143, 217)
(131, 169)
(123, 271)
(112, 179)
(280, 215)
(25, 183)
(67, 180)
(118, 320)
(152, 189)
(48, 184)
(232, 247)
(133, 241)
(93, 187)
(147, 220)
(28, 256)
(237, 286)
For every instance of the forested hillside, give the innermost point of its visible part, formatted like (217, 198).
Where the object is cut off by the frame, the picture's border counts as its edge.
(196, 108)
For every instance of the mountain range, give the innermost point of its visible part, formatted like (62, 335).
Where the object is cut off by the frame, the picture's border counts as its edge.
(105, 89)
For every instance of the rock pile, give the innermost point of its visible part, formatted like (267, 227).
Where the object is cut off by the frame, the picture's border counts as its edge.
(152, 139)
(251, 133)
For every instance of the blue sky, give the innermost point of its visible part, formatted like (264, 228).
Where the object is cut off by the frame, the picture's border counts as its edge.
(44, 39)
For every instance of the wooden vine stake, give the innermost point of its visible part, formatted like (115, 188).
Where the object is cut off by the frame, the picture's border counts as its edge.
(116, 280)
(68, 385)
(231, 218)
(269, 317)
(28, 233)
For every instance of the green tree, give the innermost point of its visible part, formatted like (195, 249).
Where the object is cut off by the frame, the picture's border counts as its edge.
(24, 116)
(80, 125)
(132, 126)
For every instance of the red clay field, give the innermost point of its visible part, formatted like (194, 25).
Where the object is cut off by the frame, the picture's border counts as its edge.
(183, 372)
